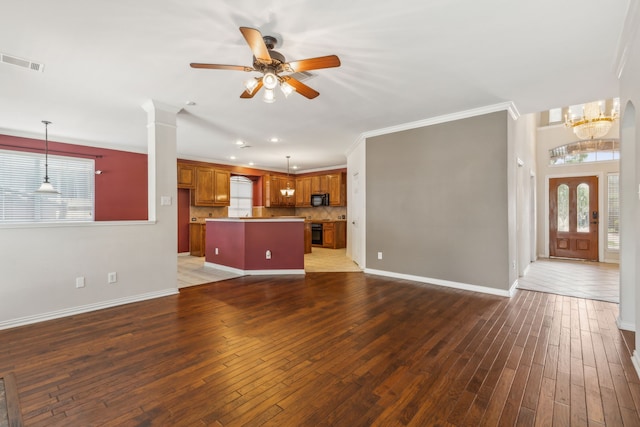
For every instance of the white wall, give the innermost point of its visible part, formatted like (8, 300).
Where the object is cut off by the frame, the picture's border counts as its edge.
(40, 263)
(523, 134)
(629, 66)
(356, 213)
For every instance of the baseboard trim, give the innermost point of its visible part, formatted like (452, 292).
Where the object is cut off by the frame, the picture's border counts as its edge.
(627, 326)
(635, 359)
(445, 283)
(254, 272)
(28, 320)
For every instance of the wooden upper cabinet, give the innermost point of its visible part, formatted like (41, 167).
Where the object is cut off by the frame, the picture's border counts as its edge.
(212, 187)
(337, 184)
(222, 189)
(303, 192)
(319, 184)
(186, 176)
(272, 197)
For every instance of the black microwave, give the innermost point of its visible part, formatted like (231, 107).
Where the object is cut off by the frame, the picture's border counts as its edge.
(320, 200)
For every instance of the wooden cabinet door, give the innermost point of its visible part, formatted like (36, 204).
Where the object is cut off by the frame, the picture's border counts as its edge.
(222, 187)
(335, 189)
(186, 176)
(303, 192)
(319, 184)
(328, 235)
(205, 184)
(213, 187)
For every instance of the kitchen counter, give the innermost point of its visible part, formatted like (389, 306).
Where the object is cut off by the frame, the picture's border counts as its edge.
(250, 245)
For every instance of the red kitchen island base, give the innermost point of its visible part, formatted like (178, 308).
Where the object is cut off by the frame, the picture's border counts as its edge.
(253, 246)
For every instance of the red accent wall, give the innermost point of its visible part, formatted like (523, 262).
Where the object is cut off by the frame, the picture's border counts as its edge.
(121, 189)
(243, 244)
(184, 200)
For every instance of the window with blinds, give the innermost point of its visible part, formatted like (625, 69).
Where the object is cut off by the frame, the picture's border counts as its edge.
(241, 197)
(21, 174)
(613, 207)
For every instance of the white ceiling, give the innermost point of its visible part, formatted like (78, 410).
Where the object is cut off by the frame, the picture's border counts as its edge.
(401, 61)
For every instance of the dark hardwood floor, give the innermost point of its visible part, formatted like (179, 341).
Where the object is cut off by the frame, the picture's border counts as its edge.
(339, 349)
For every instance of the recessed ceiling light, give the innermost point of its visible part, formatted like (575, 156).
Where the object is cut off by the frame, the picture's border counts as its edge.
(251, 163)
(274, 139)
(295, 167)
(190, 103)
(239, 142)
(232, 157)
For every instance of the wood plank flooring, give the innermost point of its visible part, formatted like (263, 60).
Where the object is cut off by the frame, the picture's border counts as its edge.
(328, 349)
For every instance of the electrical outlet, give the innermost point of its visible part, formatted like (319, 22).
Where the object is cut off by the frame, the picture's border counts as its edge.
(268, 254)
(112, 277)
(80, 282)
(379, 255)
(216, 251)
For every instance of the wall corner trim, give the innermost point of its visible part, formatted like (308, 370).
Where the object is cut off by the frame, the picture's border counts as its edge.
(27, 320)
(627, 35)
(440, 282)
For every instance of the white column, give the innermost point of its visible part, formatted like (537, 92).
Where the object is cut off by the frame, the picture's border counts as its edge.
(162, 173)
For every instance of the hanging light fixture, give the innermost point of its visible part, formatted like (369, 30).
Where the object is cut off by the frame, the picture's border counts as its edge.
(287, 192)
(593, 123)
(46, 186)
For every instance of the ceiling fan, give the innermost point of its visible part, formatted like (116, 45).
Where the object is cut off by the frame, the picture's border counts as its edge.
(272, 65)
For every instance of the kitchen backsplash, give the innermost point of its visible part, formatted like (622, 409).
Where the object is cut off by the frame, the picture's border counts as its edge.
(321, 212)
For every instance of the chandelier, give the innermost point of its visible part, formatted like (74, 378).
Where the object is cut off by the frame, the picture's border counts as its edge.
(593, 123)
(287, 192)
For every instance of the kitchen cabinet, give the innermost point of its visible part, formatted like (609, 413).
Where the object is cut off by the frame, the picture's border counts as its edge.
(303, 192)
(186, 176)
(319, 184)
(337, 189)
(197, 238)
(213, 187)
(334, 234)
(272, 197)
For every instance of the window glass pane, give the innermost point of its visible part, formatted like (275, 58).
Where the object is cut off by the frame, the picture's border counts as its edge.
(555, 115)
(241, 197)
(563, 208)
(21, 173)
(613, 207)
(583, 208)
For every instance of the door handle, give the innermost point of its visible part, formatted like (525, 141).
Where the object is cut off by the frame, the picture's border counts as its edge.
(594, 222)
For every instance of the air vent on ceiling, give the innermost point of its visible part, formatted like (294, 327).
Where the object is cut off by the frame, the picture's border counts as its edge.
(21, 62)
(302, 75)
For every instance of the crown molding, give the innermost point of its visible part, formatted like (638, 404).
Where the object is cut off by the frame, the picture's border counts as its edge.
(508, 106)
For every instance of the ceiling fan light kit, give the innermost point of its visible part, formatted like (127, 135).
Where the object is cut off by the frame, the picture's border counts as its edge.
(273, 66)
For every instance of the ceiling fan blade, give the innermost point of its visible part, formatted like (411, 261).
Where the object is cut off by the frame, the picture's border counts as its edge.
(221, 67)
(247, 95)
(301, 88)
(311, 64)
(256, 43)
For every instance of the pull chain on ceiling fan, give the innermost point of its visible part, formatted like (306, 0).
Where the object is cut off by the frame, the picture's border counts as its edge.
(272, 65)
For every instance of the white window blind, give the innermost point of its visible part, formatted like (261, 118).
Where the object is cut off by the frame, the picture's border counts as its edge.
(241, 197)
(21, 173)
(613, 207)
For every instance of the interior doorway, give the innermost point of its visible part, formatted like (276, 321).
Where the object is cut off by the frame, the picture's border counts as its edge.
(573, 217)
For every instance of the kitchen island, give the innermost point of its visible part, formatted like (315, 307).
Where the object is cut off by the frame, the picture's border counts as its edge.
(256, 245)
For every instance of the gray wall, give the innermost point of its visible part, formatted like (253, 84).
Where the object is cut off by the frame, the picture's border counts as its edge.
(437, 201)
